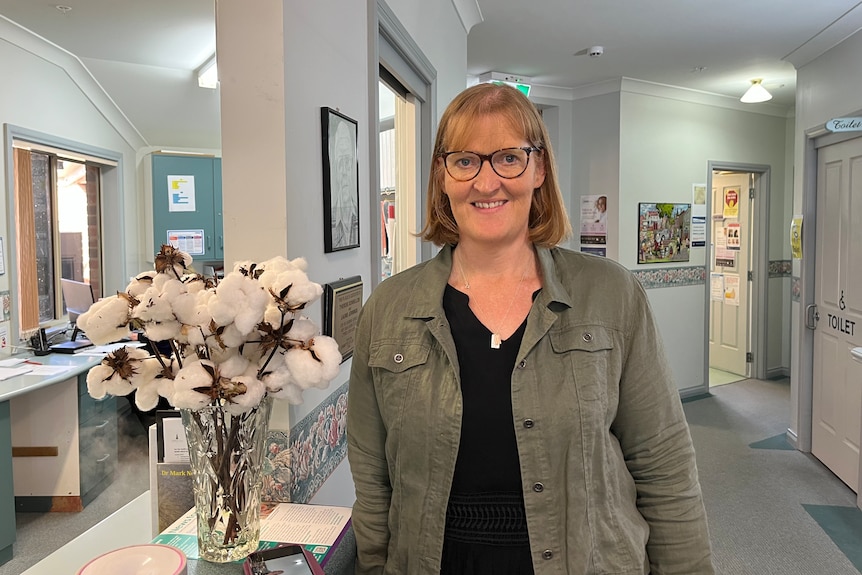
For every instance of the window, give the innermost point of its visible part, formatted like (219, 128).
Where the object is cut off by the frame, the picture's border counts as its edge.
(58, 229)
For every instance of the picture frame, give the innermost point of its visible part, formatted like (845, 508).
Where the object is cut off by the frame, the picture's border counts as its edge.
(664, 232)
(342, 301)
(339, 136)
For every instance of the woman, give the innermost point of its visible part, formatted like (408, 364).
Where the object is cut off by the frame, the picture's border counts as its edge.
(511, 410)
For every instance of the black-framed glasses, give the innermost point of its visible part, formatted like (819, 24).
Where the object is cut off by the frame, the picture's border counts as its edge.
(507, 163)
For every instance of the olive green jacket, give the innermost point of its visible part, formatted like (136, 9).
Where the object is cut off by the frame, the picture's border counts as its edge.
(609, 477)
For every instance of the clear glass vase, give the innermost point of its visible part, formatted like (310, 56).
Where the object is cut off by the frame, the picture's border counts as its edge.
(226, 453)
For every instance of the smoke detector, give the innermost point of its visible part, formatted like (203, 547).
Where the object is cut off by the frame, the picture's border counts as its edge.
(596, 51)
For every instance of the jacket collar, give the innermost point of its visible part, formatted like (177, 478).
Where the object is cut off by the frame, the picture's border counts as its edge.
(426, 300)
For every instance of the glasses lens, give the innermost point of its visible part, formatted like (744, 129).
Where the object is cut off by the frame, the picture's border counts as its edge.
(510, 163)
(463, 165)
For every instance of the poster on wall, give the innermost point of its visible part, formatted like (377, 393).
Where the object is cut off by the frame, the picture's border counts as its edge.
(731, 289)
(716, 286)
(664, 233)
(732, 231)
(594, 223)
(724, 258)
(698, 215)
(731, 202)
(181, 194)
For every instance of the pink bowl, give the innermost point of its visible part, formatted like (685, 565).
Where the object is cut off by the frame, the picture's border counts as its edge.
(150, 559)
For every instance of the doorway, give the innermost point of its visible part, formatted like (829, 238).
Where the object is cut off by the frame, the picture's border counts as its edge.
(737, 272)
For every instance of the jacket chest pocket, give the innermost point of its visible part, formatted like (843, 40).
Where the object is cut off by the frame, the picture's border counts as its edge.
(585, 352)
(397, 369)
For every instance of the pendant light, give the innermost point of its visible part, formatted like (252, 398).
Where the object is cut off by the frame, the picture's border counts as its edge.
(756, 93)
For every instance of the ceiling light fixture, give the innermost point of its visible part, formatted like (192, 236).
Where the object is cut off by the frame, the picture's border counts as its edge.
(208, 74)
(756, 93)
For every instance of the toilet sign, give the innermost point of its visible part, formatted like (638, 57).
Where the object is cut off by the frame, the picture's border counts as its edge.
(844, 125)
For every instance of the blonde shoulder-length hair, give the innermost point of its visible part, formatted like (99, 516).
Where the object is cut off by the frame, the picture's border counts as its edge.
(548, 223)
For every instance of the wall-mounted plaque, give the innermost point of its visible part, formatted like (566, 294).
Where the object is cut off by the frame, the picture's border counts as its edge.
(342, 301)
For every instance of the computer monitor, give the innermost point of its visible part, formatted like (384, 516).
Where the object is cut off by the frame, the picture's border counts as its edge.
(78, 298)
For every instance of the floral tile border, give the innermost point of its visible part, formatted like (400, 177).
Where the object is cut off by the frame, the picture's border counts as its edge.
(671, 277)
(780, 268)
(695, 275)
(297, 464)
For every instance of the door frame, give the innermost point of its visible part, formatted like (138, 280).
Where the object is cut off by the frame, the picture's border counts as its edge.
(815, 138)
(394, 48)
(759, 261)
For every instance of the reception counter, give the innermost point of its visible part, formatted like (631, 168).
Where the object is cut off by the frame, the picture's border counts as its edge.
(58, 446)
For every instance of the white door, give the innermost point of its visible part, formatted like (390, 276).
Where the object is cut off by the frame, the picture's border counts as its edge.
(837, 385)
(731, 242)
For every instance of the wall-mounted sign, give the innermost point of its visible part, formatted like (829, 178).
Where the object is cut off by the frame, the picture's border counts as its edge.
(189, 241)
(844, 125)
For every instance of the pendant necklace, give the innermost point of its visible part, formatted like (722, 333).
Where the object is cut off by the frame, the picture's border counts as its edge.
(496, 340)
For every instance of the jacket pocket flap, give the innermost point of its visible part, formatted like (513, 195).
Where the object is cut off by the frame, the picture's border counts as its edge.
(397, 357)
(583, 338)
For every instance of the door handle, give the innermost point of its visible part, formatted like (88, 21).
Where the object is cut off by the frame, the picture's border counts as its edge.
(812, 316)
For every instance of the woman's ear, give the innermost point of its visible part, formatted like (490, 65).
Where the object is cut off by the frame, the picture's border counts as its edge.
(539, 172)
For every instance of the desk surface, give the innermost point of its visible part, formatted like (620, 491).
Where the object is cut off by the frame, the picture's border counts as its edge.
(130, 525)
(22, 384)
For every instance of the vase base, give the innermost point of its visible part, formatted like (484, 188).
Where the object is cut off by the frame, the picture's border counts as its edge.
(226, 554)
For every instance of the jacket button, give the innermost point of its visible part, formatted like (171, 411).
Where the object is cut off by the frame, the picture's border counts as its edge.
(398, 358)
(538, 487)
(528, 423)
(547, 554)
(523, 364)
(588, 337)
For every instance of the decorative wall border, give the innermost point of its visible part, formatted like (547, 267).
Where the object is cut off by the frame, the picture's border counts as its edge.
(671, 277)
(297, 464)
(695, 275)
(780, 268)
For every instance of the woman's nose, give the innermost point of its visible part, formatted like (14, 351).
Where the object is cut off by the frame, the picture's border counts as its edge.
(487, 179)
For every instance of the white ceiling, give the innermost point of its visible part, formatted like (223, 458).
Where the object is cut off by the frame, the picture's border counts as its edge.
(145, 53)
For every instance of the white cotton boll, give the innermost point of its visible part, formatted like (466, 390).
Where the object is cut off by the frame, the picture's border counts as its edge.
(277, 378)
(250, 314)
(153, 307)
(303, 329)
(96, 380)
(255, 391)
(275, 362)
(191, 376)
(217, 355)
(244, 264)
(299, 263)
(141, 283)
(290, 392)
(232, 337)
(185, 308)
(165, 388)
(272, 269)
(106, 320)
(305, 371)
(116, 385)
(162, 331)
(160, 280)
(223, 306)
(146, 370)
(326, 350)
(233, 366)
(147, 397)
(304, 293)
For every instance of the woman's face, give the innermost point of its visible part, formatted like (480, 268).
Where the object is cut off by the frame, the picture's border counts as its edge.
(490, 209)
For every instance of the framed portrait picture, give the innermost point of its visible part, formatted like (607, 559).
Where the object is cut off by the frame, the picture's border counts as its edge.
(340, 181)
(664, 233)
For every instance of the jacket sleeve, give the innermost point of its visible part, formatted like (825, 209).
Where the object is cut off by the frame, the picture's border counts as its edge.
(366, 440)
(654, 436)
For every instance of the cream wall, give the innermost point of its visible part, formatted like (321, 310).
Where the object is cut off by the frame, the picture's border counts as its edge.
(273, 85)
(54, 95)
(639, 142)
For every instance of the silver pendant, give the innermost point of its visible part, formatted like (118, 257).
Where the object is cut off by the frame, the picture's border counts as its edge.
(495, 341)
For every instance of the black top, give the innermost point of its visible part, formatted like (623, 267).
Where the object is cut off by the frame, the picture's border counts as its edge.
(486, 528)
